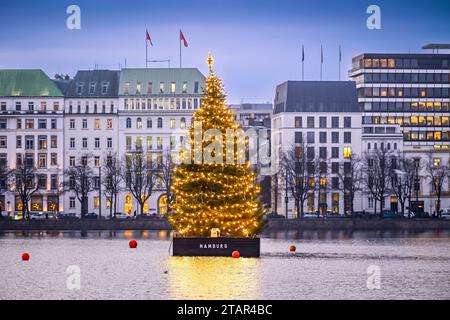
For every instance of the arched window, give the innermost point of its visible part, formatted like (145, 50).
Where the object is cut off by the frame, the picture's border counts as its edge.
(183, 123)
(389, 146)
(160, 123)
(395, 145)
(128, 123)
(149, 123)
(162, 205)
(138, 123)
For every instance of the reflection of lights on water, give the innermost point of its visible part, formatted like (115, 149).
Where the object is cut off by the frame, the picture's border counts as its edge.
(162, 234)
(214, 278)
(128, 234)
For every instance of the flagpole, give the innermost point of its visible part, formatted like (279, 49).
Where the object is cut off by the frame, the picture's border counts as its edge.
(179, 40)
(321, 62)
(146, 52)
(303, 63)
(340, 63)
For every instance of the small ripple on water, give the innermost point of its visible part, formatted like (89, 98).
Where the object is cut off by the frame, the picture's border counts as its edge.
(350, 256)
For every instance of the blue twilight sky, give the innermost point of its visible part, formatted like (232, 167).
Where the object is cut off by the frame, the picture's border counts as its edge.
(256, 43)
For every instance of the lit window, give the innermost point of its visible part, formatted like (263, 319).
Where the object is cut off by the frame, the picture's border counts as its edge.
(172, 123)
(139, 123)
(161, 87)
(347, 152)
(184, 87)
(97, 124)
(109, 123)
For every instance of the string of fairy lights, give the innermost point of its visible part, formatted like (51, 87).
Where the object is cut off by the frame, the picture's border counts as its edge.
(221, 195)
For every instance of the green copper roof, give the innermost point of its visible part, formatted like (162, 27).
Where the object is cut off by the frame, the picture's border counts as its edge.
(27, 83)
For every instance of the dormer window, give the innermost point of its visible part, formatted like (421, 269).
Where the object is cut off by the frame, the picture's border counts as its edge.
(173, 87)
(105, 86)
(161, 87)
(184, 88)
(79, 88)
(138, 88)
(196, 87)
(91, 87)
(126, 90)
(150, 88)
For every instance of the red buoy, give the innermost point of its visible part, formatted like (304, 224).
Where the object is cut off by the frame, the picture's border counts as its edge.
(133, 244)
(292, 248)
(235, 254)
(25, 256)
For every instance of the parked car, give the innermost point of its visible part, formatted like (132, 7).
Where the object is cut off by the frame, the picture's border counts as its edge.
(309, 215)
(274, 215)
(391, 215)
(37, 216)
(91, 215)
(420, 215)
(67, 216)
(122, 216)
(445, 214)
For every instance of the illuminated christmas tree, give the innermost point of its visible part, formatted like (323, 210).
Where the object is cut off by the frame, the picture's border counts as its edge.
(214, 186)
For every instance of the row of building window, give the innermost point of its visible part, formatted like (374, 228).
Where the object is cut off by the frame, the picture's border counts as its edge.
(161, 89)
(392, 92)
(429, 121)
(323, 122)
(84, 143)
(323, 152)
(42, 124)
(139, 142)
(87, 109)
(31, 106)
(159, 123)
(416, 78)
(28, 159)
(323, 137)
(97, 124)
(92, 87)
(404, 63)
(430, 106)
(426, 136)
(28, 142)
(162, 104)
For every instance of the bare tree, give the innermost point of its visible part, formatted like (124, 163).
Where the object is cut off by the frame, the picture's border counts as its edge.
(24, 177)
(402, 178)
(351, 178)
(80, 180)
(437, 173)
(140, 175)
(4, 174)
(322, 186)
(377, 170)
(165, 169)
(299, 169)
(112, 180)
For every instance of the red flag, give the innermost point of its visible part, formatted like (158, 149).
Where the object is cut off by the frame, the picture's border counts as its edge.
(182, 38)
(147, 37)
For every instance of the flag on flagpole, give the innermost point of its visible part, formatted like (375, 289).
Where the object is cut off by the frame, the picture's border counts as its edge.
(148, 38)
(182, 38)
(340, 54)
(303, 53)
(321, 54)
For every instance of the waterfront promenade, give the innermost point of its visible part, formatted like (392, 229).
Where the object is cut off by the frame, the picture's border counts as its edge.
(272, 225)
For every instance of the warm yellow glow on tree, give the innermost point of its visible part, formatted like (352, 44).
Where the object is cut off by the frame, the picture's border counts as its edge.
(218, 194)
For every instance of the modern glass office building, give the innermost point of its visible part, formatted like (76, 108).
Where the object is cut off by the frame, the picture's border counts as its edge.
(406, 94)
